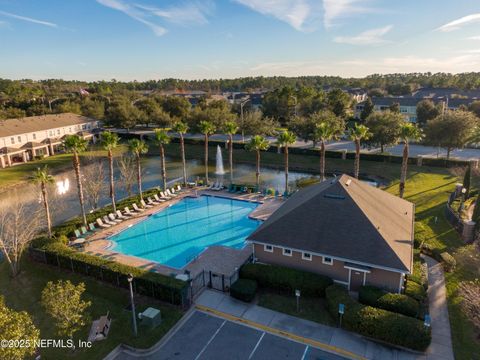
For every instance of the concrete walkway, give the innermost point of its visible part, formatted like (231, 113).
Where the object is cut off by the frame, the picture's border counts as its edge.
(441, 347)
(331, 337)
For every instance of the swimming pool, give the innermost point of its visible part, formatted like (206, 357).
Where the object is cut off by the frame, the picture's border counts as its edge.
(177, 234)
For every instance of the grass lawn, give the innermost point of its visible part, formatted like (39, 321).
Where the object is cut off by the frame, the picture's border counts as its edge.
(312, 309)
(24, 293)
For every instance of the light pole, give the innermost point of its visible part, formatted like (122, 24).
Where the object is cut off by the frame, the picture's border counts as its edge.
(241, 114)
(462, 200)
(130, 280)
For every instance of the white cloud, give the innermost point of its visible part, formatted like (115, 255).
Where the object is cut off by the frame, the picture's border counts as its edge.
(474, 37)
(340, 9)
(134, 13)
(28, 19)
(369, 37)
(189, 13)
(457, 24)
(296, 13)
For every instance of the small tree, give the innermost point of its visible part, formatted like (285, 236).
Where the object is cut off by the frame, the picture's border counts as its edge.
(367, 109)
(426, 110)
(408, 132)
(137, 148)
(285, 139)
(63, 302)
(110, 142)
(17, 326)
(230, 129)
(43, 178)
(161, 138)
(385, 128)
(207, 129)
(257, 143)
(357, 135)
(181, 128)
(95, 173)
(127, 173)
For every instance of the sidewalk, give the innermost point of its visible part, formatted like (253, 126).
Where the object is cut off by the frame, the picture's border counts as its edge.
(332, 337)
(441, 347)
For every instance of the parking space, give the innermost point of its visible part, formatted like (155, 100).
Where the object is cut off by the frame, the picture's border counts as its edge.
(204, 337)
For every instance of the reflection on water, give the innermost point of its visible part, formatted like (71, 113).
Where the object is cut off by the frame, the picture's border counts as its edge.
(63, 196)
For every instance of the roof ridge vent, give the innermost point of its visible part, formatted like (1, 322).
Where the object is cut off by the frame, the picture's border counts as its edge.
(348, 182)
(334, 196)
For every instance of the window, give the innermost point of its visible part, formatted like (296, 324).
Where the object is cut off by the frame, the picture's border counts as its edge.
(69, 129)
(12, 140)
(50, 133)
(287, 252)
(307, 256)
(327, 260)
(34, 136)
(58, 132)
(84, 127)
(268, 248)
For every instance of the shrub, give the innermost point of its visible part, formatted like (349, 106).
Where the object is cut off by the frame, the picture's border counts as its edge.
(244, 289)
(415, 291)
(399, 303)
(448, 260)
(286, 280)
(376, 323)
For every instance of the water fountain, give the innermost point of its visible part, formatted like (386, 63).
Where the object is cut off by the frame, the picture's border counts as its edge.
(219, 166)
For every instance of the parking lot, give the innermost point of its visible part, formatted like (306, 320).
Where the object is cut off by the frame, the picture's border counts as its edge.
(204, 336)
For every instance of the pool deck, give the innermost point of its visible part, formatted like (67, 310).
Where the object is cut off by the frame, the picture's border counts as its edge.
(219, 259)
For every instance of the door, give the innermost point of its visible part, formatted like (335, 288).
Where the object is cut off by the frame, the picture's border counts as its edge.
(356, 280)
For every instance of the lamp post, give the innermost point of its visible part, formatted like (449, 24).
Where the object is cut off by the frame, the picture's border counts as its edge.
(462, 200)
(130, 280)
(241, 114)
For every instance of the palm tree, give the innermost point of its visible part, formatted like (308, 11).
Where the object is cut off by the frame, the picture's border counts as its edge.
(206, 128)
(408, 132)
(181, 128)
(42, 177)
(138, 147)
(285, 139)
(357, 134)
(231, 129)
(109, 142)
(257, 144)
(324, 131)
(162, 138)
(75, 144)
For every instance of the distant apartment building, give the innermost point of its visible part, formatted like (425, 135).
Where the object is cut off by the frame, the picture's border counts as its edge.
(443, 93)
(24, 139)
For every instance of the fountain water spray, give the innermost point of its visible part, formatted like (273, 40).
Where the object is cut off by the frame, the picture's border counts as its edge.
(219, 166)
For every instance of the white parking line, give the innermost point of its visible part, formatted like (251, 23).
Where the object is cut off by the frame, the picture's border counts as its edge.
(256, 346)
(209, 341)
(305, 352)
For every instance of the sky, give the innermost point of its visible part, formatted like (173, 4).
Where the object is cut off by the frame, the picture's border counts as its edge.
(193, 39)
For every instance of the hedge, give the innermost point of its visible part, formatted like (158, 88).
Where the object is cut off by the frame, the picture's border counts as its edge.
(449, 261)
(383, 325)
(244, 289)
(286, 280)
(415, 291)
(399, 303)
(147, 283)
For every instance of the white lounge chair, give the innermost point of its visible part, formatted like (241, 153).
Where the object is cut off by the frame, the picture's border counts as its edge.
(120, 215)
(92, 227)
(169, 193)
(77, 233)
(214, 185)
(136, 208)
(158, 199)
(145, 205)
(127, 212)
(178, 188)
(219, 187)
(106, 220)
(113, 218)
(101, 224)
(164, 196)
(152, 202)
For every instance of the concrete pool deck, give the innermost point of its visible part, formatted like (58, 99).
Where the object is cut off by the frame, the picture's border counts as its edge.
(218, 259)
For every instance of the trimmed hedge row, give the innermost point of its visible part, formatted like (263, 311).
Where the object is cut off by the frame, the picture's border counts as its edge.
(147, 283)
(244, 289)
(376, 323)
(415, 291)
(399, 303)
(286, 280)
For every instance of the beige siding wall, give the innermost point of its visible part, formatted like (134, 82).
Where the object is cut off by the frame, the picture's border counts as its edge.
(377, 277)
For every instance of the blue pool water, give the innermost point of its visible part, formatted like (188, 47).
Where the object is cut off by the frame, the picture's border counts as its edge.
(175, 235)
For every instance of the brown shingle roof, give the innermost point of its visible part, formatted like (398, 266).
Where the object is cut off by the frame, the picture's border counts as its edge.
(30, 124)
(347, 219)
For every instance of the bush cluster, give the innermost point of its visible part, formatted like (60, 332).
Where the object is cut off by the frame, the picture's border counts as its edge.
(415, 291)
(244, 289)
(399, 303)
(286, 280)
(448, 260)
(383, 325)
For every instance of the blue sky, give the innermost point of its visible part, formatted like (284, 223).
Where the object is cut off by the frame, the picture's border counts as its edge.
(192, 39)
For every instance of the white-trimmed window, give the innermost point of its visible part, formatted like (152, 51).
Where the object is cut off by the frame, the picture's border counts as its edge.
(34, 136)
(268, 248)
(287, 252)
(306, 256)
(19, 138)
(327, 260)
(12, 140)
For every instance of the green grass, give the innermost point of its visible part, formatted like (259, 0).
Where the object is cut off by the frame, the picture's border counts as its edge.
(24, 293)
(312, 309)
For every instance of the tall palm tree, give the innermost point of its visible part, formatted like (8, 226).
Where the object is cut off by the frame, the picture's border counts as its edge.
(206, 128)
(42, 177)
(357, 134)
(162, 138)
(285, 139)
(137, 148)
(324, 131)
(230, 129)
(110, 142)
(181, 128)
(75, 144)
(408, 132)
(257, 144)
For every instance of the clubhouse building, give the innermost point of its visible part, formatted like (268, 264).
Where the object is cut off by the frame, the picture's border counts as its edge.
(345, 229)
(24, 139)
